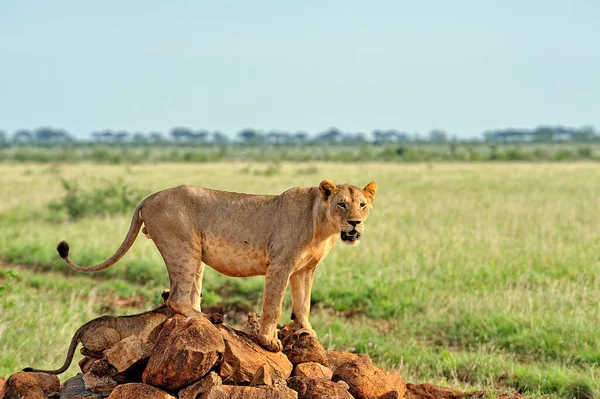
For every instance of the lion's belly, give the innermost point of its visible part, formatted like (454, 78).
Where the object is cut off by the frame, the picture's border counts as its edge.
(234, 260)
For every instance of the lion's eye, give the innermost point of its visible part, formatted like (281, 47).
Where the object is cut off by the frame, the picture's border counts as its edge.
(362, 205)
(342, 205)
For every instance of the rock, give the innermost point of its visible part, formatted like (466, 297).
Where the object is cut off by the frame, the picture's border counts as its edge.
(301, 347)
(336, 359)
(318, 388)
(264, 376)
(74, 388)
(243, 358)
(100, 377)
(313, 369)
(368, 381)
(344, 384)
(203, 386)
(184, 353)
(127, 352)
(239, 392)
(31, 386)
(138, 391)
(2, 381)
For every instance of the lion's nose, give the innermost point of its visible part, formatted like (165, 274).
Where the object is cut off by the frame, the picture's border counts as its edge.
(354, 223)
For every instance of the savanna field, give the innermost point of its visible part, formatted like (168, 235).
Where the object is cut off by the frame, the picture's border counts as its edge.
(470, 275)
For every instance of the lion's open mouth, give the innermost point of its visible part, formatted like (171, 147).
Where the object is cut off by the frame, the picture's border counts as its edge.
(350, 237)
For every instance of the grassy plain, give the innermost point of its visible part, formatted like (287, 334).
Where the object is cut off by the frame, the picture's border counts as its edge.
(469, 275)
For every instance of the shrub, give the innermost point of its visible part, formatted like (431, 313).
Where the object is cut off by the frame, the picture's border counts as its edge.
(108, 199)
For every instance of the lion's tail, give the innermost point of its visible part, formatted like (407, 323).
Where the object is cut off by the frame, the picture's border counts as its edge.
(134, 229)
(68, 360)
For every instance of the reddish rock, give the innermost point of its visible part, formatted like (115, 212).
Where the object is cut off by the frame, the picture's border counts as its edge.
(30, 385)
(239, 392)
(368, 381)
(138, 391)
(264, 376)
(2, 381)
(203, 386)
(184, 353)
(100, 377)
(127, 352)
(317, 388)
(314, 370)
(336, 359)
(301, 347)
(243, 358)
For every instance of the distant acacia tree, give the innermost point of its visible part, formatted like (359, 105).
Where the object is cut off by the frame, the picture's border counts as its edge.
(331, 136)
(23, 136)
(438, 136)
(181, 134)
(300, 137)
(156, 137)
(251, 136)
(219, 138)
(140, 138)
(47, 135)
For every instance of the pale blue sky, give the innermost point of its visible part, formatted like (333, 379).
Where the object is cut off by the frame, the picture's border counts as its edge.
(463, 66)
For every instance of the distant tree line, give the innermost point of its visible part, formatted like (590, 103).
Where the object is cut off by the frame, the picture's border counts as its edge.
(188, 136)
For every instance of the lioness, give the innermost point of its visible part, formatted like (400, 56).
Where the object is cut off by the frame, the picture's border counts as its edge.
(283, 237)
(104, 332)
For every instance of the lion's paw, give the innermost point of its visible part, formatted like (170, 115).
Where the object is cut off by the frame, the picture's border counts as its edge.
(269, 343)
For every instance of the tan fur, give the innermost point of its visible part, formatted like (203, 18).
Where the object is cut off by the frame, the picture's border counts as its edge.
(104, 332)
(283, 237)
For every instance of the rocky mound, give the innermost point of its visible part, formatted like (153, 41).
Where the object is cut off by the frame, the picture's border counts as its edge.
(197, 359)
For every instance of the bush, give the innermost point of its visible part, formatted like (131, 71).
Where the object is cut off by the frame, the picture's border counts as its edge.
(108, 199)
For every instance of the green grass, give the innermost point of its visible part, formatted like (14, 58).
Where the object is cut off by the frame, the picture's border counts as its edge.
(478, 276)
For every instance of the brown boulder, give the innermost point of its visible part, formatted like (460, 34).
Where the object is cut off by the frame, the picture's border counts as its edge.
(336, 359)
(138, 391)
(264, 376)
(203, 386)
(312, 369)
(368, 381)
(100, 377)
(127, 352)
(2, 381)
(238, 392)
(184, 353)
(30, 385)
(317, 388)
(301, 347)
(243, 358)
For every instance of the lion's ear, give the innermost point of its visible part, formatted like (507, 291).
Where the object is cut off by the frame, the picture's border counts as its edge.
(370, 191)
(327, 187)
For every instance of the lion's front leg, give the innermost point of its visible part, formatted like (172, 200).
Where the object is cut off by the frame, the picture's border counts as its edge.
(301, 285)
(276, 281)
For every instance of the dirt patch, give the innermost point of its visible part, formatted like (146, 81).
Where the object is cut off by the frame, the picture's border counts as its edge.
(111, 304)
(429, 391)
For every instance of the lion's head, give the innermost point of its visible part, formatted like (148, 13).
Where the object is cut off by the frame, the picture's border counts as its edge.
(348, 207)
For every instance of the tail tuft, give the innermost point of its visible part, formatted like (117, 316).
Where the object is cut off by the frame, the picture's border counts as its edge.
(63, 249)
(28, 369)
